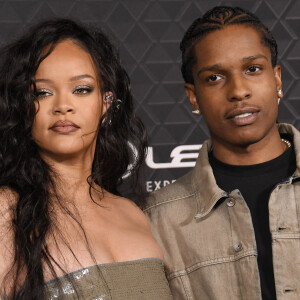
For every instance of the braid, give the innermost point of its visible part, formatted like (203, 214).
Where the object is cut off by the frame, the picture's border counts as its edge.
(215, 19)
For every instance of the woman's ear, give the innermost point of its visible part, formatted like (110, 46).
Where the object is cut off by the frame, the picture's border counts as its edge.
(108, 98)
(190, 92)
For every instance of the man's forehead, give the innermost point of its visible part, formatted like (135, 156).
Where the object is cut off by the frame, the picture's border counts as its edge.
(234, 42)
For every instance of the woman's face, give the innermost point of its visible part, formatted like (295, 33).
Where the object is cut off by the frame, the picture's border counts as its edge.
(69, 103)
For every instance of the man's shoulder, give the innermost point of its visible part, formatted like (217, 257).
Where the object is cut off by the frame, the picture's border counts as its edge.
(176, 191)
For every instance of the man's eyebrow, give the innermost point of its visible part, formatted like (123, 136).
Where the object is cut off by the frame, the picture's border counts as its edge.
(215, 67)
(254, 57)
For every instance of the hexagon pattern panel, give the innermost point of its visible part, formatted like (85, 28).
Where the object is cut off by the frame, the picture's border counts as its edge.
(148, 34)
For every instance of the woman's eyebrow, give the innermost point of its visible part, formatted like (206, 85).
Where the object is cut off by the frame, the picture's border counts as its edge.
(83, 76)
(43, 80)
(74, 78)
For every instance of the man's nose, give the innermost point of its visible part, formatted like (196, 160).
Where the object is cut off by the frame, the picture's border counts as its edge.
(238, 88)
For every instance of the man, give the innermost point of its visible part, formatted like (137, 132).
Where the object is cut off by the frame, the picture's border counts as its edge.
(230, 229)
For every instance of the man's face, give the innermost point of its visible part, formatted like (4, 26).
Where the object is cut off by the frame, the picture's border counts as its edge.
(235, 86)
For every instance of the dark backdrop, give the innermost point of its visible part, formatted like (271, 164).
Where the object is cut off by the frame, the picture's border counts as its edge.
(147, 34)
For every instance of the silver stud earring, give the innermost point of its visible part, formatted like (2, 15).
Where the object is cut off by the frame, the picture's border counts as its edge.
(118, 104)
(109, 98)
(280, 93)
(196, 111)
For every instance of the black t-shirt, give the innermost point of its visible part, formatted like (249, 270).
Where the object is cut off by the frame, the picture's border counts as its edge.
(256, 182)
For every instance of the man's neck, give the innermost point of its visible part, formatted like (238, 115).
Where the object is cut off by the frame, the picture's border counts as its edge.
(251, 154)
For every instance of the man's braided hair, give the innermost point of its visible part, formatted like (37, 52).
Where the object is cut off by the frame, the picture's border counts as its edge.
(215, 19)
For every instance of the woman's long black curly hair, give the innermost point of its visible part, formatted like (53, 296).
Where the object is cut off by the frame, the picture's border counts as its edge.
(22, 169)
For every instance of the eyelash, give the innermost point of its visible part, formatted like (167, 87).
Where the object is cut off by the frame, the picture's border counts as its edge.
(214, 75)
(209, 79)
(258, 68)
(79, 90)
(42, 93)
(83, 90)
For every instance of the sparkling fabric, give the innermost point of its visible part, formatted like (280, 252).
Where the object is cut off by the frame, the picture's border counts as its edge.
(142, 279)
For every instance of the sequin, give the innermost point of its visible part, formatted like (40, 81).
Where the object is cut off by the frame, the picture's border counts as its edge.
(142, 279)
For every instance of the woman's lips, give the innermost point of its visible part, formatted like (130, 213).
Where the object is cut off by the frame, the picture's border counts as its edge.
(64, 127)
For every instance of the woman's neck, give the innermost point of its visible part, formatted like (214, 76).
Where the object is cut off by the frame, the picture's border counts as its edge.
(70, 176)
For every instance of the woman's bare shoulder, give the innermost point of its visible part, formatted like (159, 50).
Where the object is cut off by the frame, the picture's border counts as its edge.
(8, 199)
(129, 209)
(134, 218)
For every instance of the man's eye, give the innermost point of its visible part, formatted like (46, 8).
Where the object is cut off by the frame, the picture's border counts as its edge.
(214, 78)
(253, 69)
(83, 90)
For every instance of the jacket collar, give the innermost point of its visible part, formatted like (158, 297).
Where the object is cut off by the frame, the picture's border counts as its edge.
(205, 188)
(295, 134)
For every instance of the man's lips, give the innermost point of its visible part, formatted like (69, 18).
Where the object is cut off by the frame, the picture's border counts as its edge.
(242, 116)
(64, 127)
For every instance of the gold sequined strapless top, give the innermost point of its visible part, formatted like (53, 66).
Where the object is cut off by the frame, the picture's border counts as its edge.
(142, 279)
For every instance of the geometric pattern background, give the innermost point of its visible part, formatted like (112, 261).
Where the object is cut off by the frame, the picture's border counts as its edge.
(147, 34)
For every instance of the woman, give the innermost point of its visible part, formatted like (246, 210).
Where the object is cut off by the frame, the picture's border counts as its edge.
(66, 124)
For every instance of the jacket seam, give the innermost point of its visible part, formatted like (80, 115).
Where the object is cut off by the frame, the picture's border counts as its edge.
(184, 288)
(207, 263)
(168, 201)
(296, 203)
(278, 236)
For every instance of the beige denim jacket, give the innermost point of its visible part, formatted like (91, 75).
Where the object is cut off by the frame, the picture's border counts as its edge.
(208, 239)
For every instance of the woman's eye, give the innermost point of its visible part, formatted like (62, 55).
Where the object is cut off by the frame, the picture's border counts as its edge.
(83, 90)
(214, 78)
(42, 94)
(253, 69)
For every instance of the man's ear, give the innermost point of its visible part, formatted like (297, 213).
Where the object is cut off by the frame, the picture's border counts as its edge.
(277, 74)
(190, 92)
